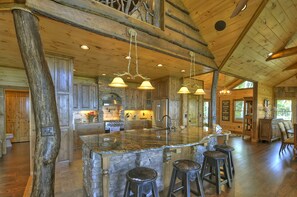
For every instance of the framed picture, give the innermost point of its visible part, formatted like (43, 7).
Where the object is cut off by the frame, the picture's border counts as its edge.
(225, 110)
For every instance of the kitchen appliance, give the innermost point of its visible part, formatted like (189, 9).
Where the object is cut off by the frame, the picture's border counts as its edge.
(160, 109)
(113, 126)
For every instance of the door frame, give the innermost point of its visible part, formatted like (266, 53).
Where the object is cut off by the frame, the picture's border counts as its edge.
(12, 89)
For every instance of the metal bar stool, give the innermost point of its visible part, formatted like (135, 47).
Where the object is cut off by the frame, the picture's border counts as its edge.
(187, 171)
(213, 160)
(141, 180)
(228, 151)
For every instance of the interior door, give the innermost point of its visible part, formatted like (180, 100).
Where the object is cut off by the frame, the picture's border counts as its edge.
(192, 110)
(17, 115)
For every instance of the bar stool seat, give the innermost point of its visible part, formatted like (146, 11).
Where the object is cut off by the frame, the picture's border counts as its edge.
(228, 151)
(141, 180)
(211, 168)
(187, 171)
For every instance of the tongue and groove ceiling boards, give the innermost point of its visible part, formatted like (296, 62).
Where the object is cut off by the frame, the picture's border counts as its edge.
(241, 49)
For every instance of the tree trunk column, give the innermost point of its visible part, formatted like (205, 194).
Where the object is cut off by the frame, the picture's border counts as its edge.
(215, 78)
(48, 132)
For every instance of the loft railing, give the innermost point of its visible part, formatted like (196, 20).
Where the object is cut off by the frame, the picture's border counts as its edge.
(144, 10)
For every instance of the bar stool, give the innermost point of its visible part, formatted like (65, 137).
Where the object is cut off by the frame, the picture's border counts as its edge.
(228, 151)
(213, 160)
(141, 180)
(187, 171)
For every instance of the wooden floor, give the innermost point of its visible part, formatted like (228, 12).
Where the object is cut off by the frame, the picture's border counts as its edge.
(260, 172)
(14, 170)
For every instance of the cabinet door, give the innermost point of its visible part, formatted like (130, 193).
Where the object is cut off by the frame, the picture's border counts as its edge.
(75, 96)
(93, 97)
(163, 88)
(85, 96)
(139, 103)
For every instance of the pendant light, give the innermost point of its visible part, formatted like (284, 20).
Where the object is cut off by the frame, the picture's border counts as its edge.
(184, 89)
(118, 81)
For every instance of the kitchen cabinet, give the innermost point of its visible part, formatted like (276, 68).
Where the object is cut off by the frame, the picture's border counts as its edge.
(269, 129)
(161, 88)
(138, 99)
(248, 117)
(85, 96)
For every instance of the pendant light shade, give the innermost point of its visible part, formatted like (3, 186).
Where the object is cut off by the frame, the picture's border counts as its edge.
(118, 82)
(183, 90)
(146, 85)
(199, 91)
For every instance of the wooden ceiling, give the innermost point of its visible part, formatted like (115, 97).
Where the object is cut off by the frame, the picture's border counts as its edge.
(240, 49)
(106, 55)
(243, 46)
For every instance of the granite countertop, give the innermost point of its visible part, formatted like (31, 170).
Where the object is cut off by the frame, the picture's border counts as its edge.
(146, 139)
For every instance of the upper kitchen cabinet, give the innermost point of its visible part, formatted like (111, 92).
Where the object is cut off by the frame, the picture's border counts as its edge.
(161, 88)
(138, 99)
(85, 96)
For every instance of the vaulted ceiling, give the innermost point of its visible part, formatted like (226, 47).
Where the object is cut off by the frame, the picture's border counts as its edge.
(241, 49)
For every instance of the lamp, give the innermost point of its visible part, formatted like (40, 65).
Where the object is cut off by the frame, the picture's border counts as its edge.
(184, 89)
(118, 81)
(225, 92)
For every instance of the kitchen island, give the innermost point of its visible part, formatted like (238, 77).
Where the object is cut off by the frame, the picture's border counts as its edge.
(108, 157)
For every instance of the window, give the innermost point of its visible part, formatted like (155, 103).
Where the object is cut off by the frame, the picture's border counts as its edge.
(206, 113)
(284, 109)
(244, 85)
(238, 110)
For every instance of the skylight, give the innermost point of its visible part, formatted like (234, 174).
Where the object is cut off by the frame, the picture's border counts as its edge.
(244, 85)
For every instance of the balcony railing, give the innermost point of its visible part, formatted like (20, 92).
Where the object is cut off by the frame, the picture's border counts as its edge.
(144, 10)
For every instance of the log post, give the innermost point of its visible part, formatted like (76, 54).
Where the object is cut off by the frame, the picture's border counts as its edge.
(215, 78)
(48, 134)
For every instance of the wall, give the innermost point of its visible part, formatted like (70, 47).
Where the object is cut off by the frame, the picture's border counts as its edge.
(10, 78)
(235, 95)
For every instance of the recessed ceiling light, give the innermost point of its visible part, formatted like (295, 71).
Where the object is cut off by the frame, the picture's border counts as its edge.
(74, 70)
(270, 54)
(183, 71)
(159, 65)
(103, 74)
(84, 47)
(128, 57)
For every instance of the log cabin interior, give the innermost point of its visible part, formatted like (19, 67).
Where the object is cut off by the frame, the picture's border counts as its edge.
(61, 108)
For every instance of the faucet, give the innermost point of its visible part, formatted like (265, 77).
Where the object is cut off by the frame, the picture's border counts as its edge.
(169, 123)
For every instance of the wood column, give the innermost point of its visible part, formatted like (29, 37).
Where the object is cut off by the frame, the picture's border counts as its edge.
(48, 132)
(213, 118)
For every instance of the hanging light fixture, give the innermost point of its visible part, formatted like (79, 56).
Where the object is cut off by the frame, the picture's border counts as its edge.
(184, 89)
(118, 81)
(225, 91)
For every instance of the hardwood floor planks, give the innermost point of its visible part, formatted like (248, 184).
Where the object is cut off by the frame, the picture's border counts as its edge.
(260, 171)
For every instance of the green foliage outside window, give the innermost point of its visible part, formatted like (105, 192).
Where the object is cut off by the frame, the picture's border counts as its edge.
(284, 109)
(238, 110)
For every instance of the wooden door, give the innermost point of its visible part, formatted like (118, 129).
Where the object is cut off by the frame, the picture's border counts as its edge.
(17, 115)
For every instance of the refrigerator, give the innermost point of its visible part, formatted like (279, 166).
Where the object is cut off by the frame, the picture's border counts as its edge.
(160, 109)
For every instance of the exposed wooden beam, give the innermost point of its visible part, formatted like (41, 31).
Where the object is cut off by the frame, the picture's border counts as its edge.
(292, 67)
(246, 29)
(283, 53)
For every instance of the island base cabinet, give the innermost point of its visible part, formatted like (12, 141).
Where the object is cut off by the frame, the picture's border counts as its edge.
(105, 175)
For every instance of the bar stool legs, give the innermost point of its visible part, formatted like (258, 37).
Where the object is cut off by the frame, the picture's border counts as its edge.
(187, 169)
(213, 160)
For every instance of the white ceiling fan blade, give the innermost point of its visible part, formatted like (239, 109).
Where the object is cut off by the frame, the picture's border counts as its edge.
(238, 8)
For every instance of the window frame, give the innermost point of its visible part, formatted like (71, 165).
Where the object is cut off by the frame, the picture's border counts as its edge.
(234, 110)
(277, 111)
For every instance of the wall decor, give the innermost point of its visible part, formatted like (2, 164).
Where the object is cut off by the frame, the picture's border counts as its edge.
(225, 110)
